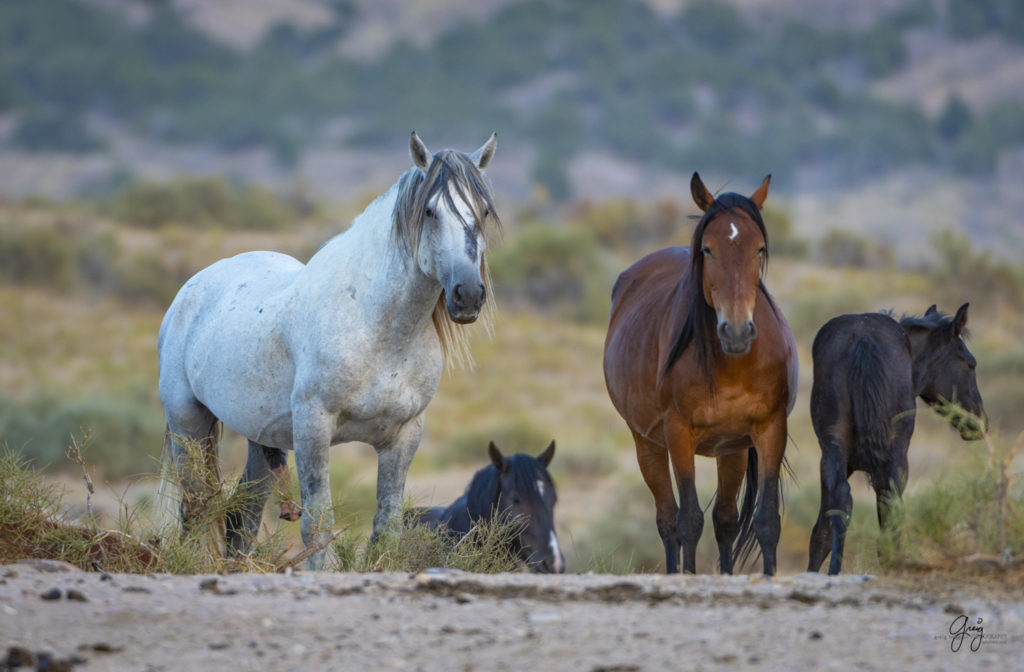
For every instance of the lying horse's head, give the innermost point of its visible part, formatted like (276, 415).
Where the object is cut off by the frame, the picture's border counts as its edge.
(527, 491)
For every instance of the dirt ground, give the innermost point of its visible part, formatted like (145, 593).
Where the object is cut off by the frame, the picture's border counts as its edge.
(443, 620)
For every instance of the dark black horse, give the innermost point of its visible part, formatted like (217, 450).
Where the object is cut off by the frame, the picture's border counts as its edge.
(516, 486)
(867, 371)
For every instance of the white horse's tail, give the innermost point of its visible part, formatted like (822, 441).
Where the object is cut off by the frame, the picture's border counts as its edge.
(168, 505)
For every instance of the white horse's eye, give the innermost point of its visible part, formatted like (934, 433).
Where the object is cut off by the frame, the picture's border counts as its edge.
(429, 212)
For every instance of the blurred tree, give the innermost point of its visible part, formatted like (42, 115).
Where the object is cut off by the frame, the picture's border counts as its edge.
(954, 118)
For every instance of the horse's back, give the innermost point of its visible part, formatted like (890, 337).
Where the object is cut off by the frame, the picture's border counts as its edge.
(633, 342)
(225, 318)
(862, 378)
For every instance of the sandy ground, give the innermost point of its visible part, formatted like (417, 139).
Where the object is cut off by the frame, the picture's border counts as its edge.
(441, 620)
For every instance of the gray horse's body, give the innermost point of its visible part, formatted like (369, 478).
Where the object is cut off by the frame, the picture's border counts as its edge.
(344, 348)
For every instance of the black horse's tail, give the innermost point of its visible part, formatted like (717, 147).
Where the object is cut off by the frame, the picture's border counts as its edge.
(868, 409)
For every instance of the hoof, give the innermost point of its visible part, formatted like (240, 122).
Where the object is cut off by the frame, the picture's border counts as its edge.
(290, 512)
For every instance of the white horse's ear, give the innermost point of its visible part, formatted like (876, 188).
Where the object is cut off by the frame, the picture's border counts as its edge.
(419, 152)
(761, 194)
(483, 156)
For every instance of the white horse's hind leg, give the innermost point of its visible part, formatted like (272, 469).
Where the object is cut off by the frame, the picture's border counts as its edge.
(393, 462)
(255, 486)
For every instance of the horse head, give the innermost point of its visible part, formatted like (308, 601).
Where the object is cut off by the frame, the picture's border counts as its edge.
(944, 369)
(448, 213)
(527, 492)
(730, 250)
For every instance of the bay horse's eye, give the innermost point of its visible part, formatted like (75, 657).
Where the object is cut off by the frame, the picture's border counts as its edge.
(762, 251)
(706, 251)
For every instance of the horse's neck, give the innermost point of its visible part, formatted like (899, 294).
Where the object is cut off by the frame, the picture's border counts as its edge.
(367, 265)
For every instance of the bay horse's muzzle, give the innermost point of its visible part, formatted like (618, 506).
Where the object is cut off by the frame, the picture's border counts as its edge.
(465, 302)
(735, 339)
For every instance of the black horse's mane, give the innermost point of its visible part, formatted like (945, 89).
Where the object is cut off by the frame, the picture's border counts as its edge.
(485, 488)
(934, 320)
(701, 321)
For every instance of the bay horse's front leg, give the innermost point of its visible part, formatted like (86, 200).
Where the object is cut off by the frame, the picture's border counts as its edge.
(770, 444)
(690, 519)
(311, 428)
(654, 467)
(393, 460)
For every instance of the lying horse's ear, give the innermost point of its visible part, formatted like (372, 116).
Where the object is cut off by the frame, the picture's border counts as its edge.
(419, 152)
(483, 156)
(701, 196)
(546, 457)
(497, 459)
(960, 319)
(931, 309)
(761, 194)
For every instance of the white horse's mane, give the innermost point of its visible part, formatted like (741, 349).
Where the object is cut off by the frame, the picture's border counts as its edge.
(449, 169)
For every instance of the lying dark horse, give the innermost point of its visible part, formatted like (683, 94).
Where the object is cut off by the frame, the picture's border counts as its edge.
(514, 486)
(867, 371)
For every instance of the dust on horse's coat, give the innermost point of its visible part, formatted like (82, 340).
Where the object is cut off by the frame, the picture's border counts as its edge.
(517, 487)
(348, 347)
(699, 361)
(868, 369)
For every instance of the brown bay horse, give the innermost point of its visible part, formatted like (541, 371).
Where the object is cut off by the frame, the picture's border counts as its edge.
(699, 360)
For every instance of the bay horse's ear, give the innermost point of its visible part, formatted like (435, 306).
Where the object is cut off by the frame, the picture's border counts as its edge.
(497, 459)
(483, 156)
(761, 194)
(546, 457)
(419, 152)
(960, 319)
(701, 196)
(931, 309)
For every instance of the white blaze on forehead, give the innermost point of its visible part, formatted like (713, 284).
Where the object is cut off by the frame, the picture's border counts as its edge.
(540, 487)
(555, 553)
(735, 232)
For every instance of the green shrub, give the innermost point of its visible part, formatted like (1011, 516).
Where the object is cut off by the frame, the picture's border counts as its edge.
(126, 433)
(513, 436)
(202, 202)
(555, 270)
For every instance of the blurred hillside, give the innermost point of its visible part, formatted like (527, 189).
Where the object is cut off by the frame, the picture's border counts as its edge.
(886, 117)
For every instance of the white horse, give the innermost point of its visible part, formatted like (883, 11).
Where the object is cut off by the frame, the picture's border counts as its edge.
(349, 347)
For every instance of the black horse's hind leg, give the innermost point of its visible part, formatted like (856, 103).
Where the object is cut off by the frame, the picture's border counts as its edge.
(890, 486)
(725, 514)
(835, 479)
(243, 522)
(821, 535)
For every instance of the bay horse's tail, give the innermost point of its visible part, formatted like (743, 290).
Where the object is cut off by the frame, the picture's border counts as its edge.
(746, 539)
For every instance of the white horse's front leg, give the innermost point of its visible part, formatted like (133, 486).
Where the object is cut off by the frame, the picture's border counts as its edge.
(311, 431)
(393, 462)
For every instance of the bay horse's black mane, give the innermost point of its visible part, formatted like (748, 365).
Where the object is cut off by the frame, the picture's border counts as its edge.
(701, 321)
(485, 488)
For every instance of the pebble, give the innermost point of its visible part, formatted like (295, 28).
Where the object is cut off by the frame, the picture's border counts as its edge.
(52, 594)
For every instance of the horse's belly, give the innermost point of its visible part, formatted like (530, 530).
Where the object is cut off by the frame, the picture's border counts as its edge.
(723, 445)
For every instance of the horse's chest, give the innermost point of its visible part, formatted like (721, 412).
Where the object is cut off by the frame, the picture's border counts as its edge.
(372, 407)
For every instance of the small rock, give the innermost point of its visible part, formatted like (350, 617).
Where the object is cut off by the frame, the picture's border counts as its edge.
(49, 565)
(19, 657)
(816, 635)
(463, 598)
(52, 594)
(77, 595)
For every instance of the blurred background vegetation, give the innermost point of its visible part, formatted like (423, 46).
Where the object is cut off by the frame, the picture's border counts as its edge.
(141, 140)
